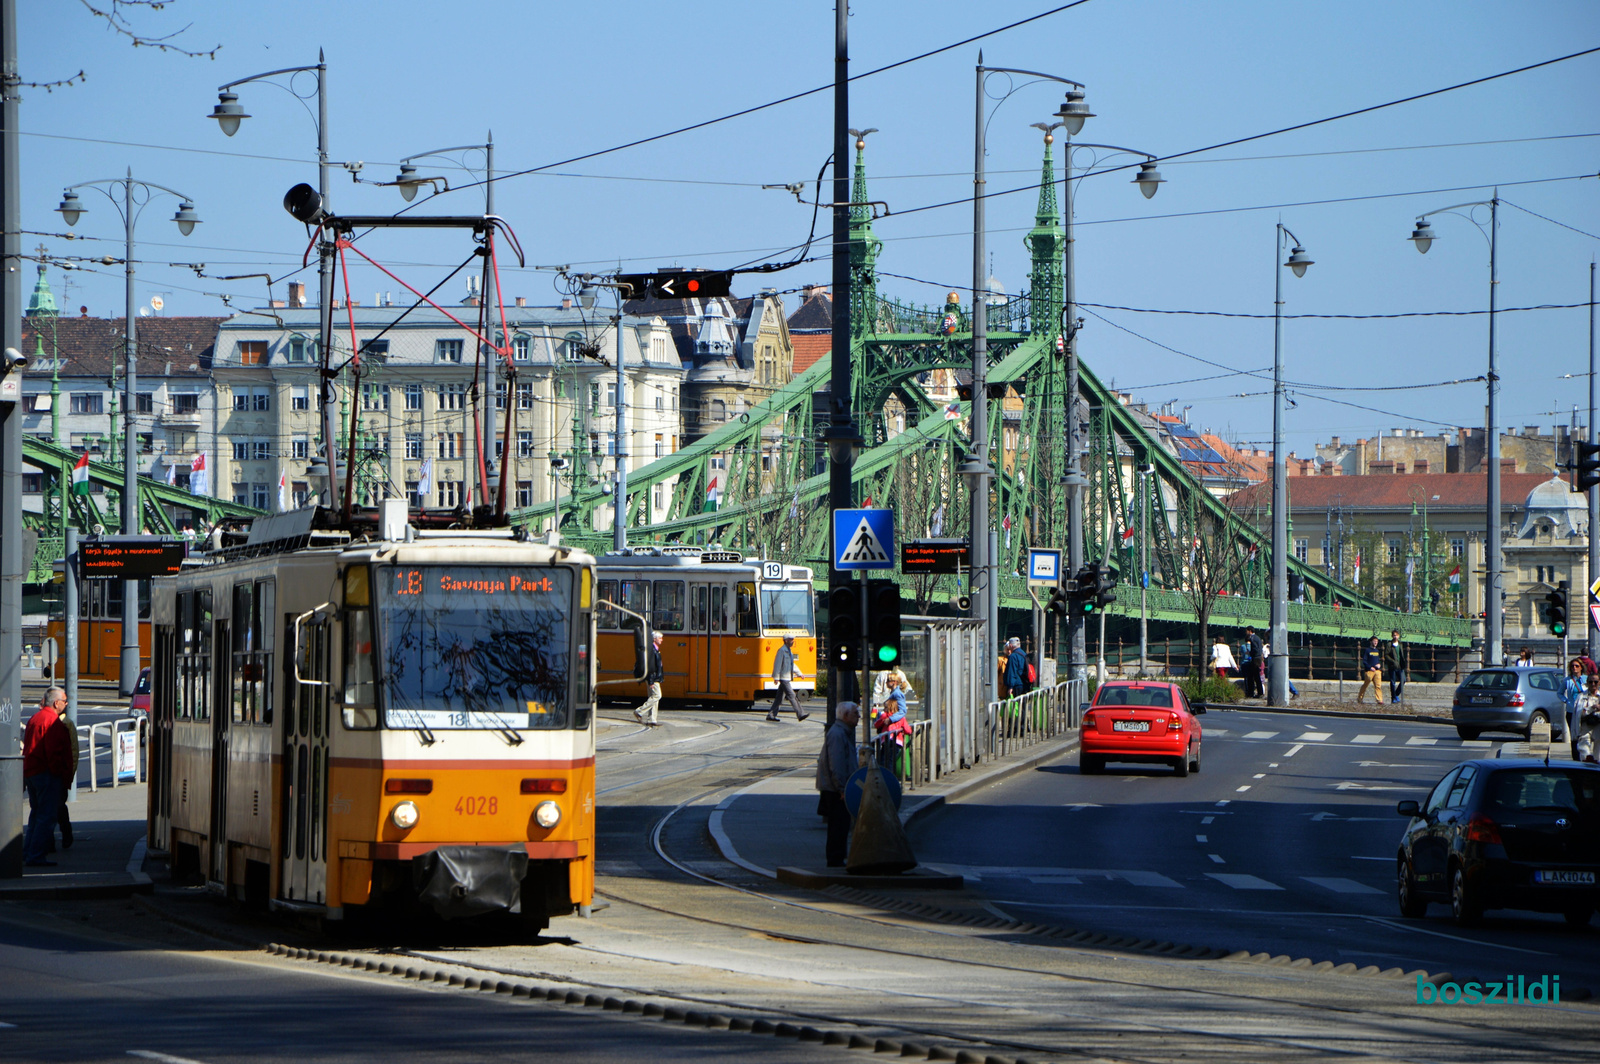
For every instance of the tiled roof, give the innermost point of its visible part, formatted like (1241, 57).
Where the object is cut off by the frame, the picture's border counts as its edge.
(1395, 491)
(90, 344)
(813, 314)
(809, 349)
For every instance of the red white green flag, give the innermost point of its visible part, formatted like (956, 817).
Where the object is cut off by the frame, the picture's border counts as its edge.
(80, 476)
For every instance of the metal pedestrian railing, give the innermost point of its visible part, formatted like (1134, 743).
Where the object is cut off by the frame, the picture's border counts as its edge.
(1002, 728)
(1017, 723)
(127, 754)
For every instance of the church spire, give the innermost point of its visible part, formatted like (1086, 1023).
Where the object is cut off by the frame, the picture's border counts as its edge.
(1046, 240)
(42, 304)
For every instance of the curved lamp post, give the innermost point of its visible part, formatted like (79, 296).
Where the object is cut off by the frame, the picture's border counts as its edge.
(1278, 626)
(135, 195)
(1494, 588)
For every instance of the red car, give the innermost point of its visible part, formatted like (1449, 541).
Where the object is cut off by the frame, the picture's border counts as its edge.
(1142, 721)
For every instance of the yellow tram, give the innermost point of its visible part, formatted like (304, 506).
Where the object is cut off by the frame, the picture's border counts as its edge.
(722, 616)
(378, 723)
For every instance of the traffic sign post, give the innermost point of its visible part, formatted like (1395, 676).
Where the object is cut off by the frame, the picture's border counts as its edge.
(863, 539)
(1044, 567)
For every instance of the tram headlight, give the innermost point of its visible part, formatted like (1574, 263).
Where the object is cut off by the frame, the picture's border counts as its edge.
(405, 815)
(547, 814)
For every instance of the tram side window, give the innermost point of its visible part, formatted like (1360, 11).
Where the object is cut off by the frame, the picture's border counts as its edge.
(194, 656)
(253, 606)
(719, 608)
(360, 710)
(604, 617)
(697, 611)
(668, 615)
(745, 609)
(636, 597)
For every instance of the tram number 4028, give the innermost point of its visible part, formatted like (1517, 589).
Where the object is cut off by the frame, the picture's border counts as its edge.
(478, 806)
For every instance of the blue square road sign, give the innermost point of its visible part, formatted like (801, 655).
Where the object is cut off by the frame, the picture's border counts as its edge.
(863, 539)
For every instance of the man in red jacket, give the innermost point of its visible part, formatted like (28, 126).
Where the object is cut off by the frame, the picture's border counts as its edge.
(46, 768)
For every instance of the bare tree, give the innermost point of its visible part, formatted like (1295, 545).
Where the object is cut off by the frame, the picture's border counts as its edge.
(119, 15)
(1215, 563)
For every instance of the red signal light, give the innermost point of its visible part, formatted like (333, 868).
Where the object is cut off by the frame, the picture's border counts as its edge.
(694, 285)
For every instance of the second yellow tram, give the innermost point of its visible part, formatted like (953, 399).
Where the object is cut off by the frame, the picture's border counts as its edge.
(723, 617)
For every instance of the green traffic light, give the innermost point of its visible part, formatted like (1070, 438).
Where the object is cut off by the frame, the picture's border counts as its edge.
(888, 655)
(1558, 629)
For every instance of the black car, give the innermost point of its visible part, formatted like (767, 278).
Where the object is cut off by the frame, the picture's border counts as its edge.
(1504, 834)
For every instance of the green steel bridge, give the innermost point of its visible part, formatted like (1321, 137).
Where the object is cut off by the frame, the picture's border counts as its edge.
(775, 485)
(158, 502)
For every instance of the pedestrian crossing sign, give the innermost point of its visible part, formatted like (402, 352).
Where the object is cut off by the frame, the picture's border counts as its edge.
(863, 539)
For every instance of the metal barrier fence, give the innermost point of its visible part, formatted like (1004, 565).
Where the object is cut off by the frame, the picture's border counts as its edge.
(139, 728)
(1017, 723)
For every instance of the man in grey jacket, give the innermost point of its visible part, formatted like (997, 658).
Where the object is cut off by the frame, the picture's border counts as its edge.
(835, 765)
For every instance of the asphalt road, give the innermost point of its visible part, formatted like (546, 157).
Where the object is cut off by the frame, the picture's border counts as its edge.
(69, 996)
(1284, 843)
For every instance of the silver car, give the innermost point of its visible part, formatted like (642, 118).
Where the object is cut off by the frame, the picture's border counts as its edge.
(1509, 698)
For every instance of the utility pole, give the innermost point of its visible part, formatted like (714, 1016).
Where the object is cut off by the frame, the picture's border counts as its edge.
(1594, 492)
(128, 672)
(976, 468)
(12, 564)
(842, 435)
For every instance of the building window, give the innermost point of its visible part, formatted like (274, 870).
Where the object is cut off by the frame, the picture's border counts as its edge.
(252, 352)
(594, 443)
(719, 461)
(452, 397)
(661, 402)
(766, 462)
(524, 493)
(297, 348)
(376, 350)
(450, 493)
(412, 498)
(147, 442)
(302, 493)
(658, 349)
(452, 444)
(413, 445)
(660, 495)
(144, 403)
(524, 444)
(661, 443)
(413, 397)
(499, 447)
(500, 395)
(260, 450)
(33, 483)
(611, 394)
(185, 403)
(299, 397)
(524, 395)
(573, 347)
(374, 397)
(86, 403)
(241, 450)
(300, 447)
(519, 349)
(1458, 548)
(1302, 549)
(252, 399)
(260, 494)
(447, 351)
(611, 444)
(719, 410)
(241, 495)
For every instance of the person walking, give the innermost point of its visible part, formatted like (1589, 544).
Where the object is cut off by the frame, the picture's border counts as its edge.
(836, 763)
(1016, 668)
(1572, 692)
(1255, 664)
(1396, 662)
(784, 672)
(46, 767)
(654, 672)
(1371, 672)
(1588, 723)
(63, 813)
(1222, 661)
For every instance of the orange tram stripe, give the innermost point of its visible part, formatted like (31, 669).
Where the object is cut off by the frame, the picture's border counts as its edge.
(443, 765)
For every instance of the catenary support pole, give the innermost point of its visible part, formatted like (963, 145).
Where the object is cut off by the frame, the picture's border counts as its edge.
(983, 570)
(1494, 591)
(70, 631)
(1581, 595)
(1074, 479)
(129, 664)
(841, 416)
(12, 564)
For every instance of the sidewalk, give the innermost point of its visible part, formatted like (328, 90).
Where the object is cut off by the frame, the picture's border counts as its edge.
(772, 828)
(107, 852)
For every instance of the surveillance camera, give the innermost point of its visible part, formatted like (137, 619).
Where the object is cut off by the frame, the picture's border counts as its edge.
(14, 360)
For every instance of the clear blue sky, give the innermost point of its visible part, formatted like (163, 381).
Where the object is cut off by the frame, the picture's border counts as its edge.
(1163, 76)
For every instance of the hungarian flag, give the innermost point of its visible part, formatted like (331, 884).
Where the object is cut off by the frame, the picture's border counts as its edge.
(713, 494)
(1006, 524)
(1127, 534)
(1357, 579)
(1455, 579)
(283, 491)
(80, 476)
(199, 478)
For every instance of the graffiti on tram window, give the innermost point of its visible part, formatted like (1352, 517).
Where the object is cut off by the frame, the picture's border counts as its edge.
(475, 646)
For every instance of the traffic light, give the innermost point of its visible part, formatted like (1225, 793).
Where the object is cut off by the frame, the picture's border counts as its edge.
(1555, 610)
(677, 284)
(1105, 583)
(1060, 600)
(883, 622)
(1585, 465)
(1297, 587)
(844, 626)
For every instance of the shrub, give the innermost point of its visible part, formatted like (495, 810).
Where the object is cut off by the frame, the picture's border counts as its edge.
(1208, 688)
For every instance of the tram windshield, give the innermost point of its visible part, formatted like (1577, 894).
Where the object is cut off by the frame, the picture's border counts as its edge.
(475, 646)
(786, 609)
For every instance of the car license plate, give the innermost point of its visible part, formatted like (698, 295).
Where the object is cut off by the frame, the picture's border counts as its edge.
(1576, 879)
(1483, 700)
(1130, 725)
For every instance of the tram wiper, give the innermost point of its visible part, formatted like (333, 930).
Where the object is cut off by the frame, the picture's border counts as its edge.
(425, 734)
(511, 737)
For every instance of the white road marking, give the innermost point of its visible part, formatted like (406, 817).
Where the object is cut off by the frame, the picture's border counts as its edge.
(1056, 881)
(1207, 819)
(1348, 785)
(1081, 806)
(1367, 739)
(1199, 838)
(1272, 764)
(1238, 881)
(1315, 737)
(162, 1058)
(1260, 776)
(1341, 886)
(1224, 802)
(1385, 764)
(1418, 740)
(1260, 735)
(1216, 731)
(1372, 858)
(1295, 749)
(1216, 858)
(1412, 926)
(1477, 744)
(1132, 876)
(1241, 790)
(9, 1025)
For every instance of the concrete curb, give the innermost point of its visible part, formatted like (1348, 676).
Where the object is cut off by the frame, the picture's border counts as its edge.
(122, 884)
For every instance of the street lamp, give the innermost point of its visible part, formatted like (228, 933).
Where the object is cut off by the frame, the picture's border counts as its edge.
(228, 113)
(1423, 237)
(130, 208)
(1278, 635)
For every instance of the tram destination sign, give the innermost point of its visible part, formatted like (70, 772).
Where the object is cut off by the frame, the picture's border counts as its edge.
(130, 557)
(935, 556)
